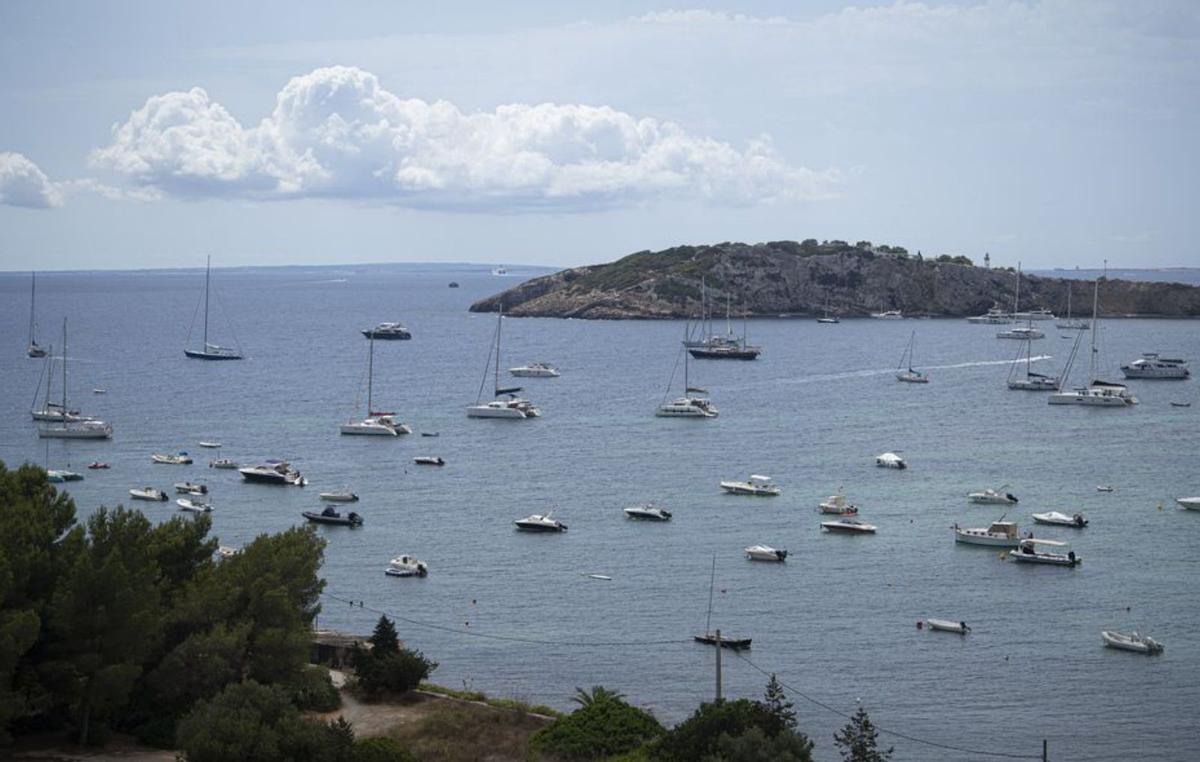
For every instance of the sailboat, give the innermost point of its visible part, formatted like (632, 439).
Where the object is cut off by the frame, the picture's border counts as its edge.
(50, 410)
(69, 427)
(377, 424)
(910, 376)
(709, 637)
(33, 350)
(1027, 331)
(693, 404)
(507, 404)
(827, 318)
(1032, 381)
(727, 347)
(1071, 323)
(208, 351)
(1097, 393)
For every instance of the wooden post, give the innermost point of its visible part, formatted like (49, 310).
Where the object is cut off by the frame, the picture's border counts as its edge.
(1045, 755)
(718, 665)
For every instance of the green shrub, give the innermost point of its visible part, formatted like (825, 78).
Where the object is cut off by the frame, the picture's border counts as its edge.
(312, 690)
(603, 726)
(700, 736)
(398, 672)
(380, 750)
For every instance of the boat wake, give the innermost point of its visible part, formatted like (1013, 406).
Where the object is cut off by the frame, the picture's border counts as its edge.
(889, 371)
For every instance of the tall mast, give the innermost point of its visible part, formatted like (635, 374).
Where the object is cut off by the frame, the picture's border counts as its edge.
(1095, 327)
(1068, 300)
(207, 268)
(64, 368)
(32, 306)
(370, 372)
(685, 365)
(1017, 296)
(711, 583)
(728, 325)
(499, 325)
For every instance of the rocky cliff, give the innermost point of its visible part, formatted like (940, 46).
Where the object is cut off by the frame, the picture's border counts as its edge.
(785, 277)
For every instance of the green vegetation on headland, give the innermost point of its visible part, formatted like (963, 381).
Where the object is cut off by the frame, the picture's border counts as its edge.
(811, 277)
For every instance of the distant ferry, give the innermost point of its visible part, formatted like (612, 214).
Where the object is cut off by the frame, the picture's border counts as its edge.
(499, 271)
(1150, 365)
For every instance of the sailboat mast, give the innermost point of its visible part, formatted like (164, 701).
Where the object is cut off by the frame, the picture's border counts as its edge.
(728, 325)
(1095, 327)
(32, 305)
(370, 372)
(1017, 296)
(64, 369)
(499, 326)
(207, 269)
(712, 580)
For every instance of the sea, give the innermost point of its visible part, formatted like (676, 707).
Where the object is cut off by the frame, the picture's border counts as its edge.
(615, 602)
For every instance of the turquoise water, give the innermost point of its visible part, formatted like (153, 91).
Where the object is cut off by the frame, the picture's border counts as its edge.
(837, 621)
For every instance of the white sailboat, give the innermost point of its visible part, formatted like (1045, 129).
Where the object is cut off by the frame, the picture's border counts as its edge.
(910, 376)
(1097, 393)
(507, 405)
(69, 427)
(33, 350)
(207, 350)
(693, 404)
(1070, 323)
(50, 410)
(1032, 381)
(1027, 331)
(374, 424)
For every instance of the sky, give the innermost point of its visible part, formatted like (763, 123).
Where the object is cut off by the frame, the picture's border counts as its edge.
(146, 134)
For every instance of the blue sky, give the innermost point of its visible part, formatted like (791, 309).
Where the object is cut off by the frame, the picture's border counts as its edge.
(145, 134)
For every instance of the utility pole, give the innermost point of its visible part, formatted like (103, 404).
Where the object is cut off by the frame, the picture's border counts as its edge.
(1045, 751)
(718, 665)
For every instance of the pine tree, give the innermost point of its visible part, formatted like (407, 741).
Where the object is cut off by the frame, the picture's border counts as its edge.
(777, 701)
(384, 640)
(858, 740)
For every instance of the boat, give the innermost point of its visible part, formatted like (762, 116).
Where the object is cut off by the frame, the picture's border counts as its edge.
(1071, 324)
(190, 488)
(837, 505)
(388, 332)
(1029, 551)
(331, 516)
(148, 493)
(429, 460)
(1134, 641)
(765, 553)
(947, 625)
(827, 319)
(1189, 503)
(179, 459)
(848, 526)
(991, 496)
(33, 350)
(1075, 521)
(406, 566)
(375, 423)
(727, 347)
(540, 523)
(49, 410)
(1021, 333)
(1096, 393)
(273, 472)
(195, 506)
(1105, 488)
(209, 444)
(994, 316)
(647, 512)
(430, 434)
(96, 465)
(227, 551)
(222, 463)
(339, 496)
(1032, 381)
(1000, 534)
(499, 271)
(535, 370)
(1151, 366)
(757, 484)
(506, 405)
(890, 460)
(58, 475)
(208, 350)
(99, 391)
(1037, 314)
(66, 428)
(453, 284)
(694, 403)
(888, 315)
(1181, 404)
(715, 638)
(910, 376)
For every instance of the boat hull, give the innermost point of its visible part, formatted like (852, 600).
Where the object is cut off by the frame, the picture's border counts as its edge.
(945, 625)
(1123, 642)
(70, 433)
(1189, 503)
(504, 413)
(734, 643)
(387, 335)
(1087, 399)
(987, 540)
(197, 354)
(724, 354)
(369, 430)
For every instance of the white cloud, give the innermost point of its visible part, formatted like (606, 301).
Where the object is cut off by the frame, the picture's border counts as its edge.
(23, 183)
(335, 132)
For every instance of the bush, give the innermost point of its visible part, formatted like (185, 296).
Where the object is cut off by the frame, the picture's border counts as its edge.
(380, 750)
(603, 726)
(700, 736)
(398, 672)
(312, 690)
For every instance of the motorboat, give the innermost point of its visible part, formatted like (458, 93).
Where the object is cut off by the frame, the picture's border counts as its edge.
(96, 465)
(1030, 551)
(848, 526)
(375, 423)
(209, 350)
(1181, 404)
(331, 516)
(1000, 534)
(1189, 503)
(765, 553)
(991, 496)
(947, 625)
(1151, 366)
(1096, 393)
(388, 332)
(188, 488)
(59, 475)
(1075, 521)
(406, 566)
(535, 370)
(209, 444)
(179, 459)
(273, 472)
(227, 551)
(148, 493)
(506, 405)
(222, 463)
(453, 284)
(67, 428)
(711, 639)
(837, 505)
(339, 496)
(499, 271)
(994, 316)
(195, 506)
(890, 460)
(1021, 333)
(1134, 641)
(888, 315)
(647, 512)
(757, 485)
(429, 460)
(540, 523)
(910, 375)
(33, 350)
(1105, 488)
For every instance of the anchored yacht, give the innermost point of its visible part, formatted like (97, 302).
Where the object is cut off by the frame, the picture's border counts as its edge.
(388, 332)
(757, 484)
(535, 370)
(507, 405)
(1151, 366)
(273, 472)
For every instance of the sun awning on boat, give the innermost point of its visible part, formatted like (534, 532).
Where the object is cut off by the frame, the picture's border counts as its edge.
(509, 390)
(1035, 541)
(696, 390)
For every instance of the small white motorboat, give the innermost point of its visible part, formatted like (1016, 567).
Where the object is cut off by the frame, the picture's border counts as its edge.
(1001, 534)
(991, 496)
(339, 496)
(757, 484)
(1029, 551)
(535, 370)
(195, 506)
(1134, 641)
(429, 460)
(539, 523)
(837, 505)
(58, 475)
(848, 526)
(890, 460)
(227, 551)
(222, 463)
(277, 472)
(765, 553)
(946, 625)
(188, 488)
(1105, 488)
(1075, 521)
(647, 512)
(209, 444)
(406, 566)
(179, 459)
(148, 493)
(1021, 333)
(1189, 503)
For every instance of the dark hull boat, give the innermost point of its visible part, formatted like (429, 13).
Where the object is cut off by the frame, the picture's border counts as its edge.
(331, 516)
(709, 638)
(208, 350)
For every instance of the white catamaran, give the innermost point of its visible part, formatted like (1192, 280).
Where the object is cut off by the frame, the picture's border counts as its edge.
(507, 404)
(375, 423)
(693, 404)
(208, 351)
(69, 427)
(1097, 393)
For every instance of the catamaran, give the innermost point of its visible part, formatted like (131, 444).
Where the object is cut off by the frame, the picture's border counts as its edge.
(693, 404)
(1026, 331)
(507, 404)
(910, 376)
(1032, 381)
(1097, 393)
(375, 423)
(33, 350)
(207, 350)
(1072, 324)
(69, 427)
